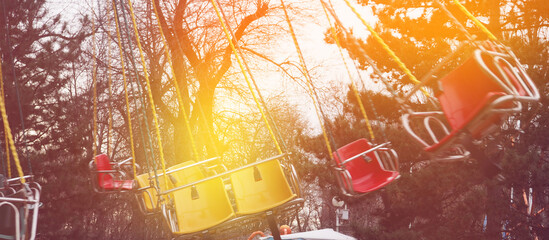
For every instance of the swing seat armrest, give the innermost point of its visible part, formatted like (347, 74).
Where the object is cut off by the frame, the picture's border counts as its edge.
(144, 188)
(126, 162)
(344, 181)
(10, 191)
(338, 169)
(294, 180)
(187, 167)
(107, 171)
(123, 162)
(142, 197)
(18, 179)
(430, 142)
(514, 75)
(388, 159)
(479, 122)
(115, 175)
(406, 123)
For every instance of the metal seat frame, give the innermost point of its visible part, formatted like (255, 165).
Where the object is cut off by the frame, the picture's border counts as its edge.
(295, 203)
(516, 89)
(143, 194)
(116, 173)
(386, 157)
(25, 224)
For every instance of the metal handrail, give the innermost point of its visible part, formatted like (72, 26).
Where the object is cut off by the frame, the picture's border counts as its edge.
(392, 158)
(185, 167)
(345, 182)
(31, 202)
(365, 152)
(17, 200)
(225, 173)
(527, 83)
(35, 208)
(426, 122)
(122, 162)
(490, 108)
(107, 171)
(18, 178)
(17, 218)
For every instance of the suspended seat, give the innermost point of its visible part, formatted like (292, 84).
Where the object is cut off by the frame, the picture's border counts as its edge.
(19, 210)
(260, 188)
(262, 191)
(147, 194)
(474, 99)
(361, 168)
(199, 206)
(110, 177)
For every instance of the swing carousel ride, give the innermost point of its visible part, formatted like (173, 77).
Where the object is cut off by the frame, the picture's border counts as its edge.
(200, 197)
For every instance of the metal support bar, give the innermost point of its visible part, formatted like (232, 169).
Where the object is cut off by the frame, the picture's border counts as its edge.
(297, 217)
(365, 152)
(17, 200)
(27, 177)
(122, 162)
(107, 171)
(16, 218)
(345, 182)
(185, 167)
(273, 226)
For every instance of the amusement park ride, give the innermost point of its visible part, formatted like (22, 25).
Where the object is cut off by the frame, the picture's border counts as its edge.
(204, 198)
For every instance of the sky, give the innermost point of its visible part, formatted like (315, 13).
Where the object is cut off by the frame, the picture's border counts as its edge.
(322, 59)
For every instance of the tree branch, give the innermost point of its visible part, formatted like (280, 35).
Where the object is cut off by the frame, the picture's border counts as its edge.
(178, 40)
(226, 62)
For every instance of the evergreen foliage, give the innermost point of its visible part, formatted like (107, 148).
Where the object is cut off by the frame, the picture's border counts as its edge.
(46, 64)
(452, 200)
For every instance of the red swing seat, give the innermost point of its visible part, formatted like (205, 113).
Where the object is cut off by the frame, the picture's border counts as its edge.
(467, 94)
(475, 98)
(106, 179)
(366, 172)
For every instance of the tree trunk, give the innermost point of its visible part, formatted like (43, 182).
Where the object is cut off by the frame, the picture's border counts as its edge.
(182, 144)
(493, 223)
(204, 115)
(494, 17)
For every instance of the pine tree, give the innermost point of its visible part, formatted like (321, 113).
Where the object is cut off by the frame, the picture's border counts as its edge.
(452, 200)
(37, 51)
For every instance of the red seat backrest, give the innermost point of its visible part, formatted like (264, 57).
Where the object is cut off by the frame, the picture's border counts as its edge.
(103, 163)
(358, 168)
(464, 90)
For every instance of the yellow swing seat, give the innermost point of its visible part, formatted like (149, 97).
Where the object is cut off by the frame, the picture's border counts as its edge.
(201, 206)
(260, 188)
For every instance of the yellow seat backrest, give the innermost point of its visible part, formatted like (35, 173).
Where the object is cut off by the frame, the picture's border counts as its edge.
(149, 196)
(201, 206)
(184, 176)
(261, 189)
